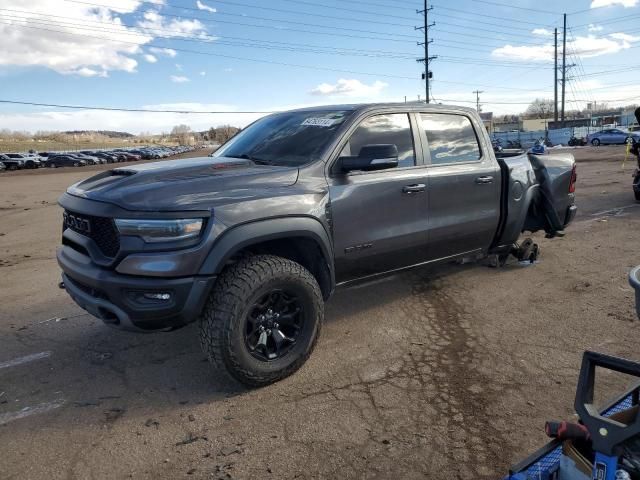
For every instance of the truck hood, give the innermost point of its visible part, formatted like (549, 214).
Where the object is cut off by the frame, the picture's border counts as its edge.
(192, 184)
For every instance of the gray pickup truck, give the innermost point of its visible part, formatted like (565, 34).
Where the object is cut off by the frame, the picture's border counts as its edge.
(252, 242)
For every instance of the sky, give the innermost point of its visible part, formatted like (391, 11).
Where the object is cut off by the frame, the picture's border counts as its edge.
(237, 56)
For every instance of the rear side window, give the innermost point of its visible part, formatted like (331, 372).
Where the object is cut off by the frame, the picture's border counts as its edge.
(451, 138)
(393, 129)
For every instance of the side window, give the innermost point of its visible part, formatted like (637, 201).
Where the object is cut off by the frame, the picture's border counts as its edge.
(384, 129)
(451, 138)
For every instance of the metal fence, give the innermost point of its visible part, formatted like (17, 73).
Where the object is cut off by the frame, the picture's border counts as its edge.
(527, 139)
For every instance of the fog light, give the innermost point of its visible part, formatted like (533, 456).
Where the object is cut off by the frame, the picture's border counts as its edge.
(157, 296)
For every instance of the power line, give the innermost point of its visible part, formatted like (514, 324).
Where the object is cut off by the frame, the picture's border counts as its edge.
(484, 15)
(212, 22)
(321, 5)
(259, 43)
(271, 62)
(212, 40)
(537, 10)
(216, 37)
(117, 109)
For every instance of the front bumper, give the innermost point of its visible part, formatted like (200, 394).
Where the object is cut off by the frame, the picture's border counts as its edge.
(119, 301)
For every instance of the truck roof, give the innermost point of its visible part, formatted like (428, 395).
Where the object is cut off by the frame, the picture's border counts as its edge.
(376, 106)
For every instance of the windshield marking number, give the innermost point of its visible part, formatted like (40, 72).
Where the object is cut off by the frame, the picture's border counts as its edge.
(319, 122)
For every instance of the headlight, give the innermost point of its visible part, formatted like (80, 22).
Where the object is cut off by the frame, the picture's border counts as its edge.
(152, 231)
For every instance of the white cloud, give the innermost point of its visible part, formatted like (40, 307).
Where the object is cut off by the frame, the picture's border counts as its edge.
(606, 3)
(203, 73)
(625, 37)
(178, 67)
(64, 48)
(204, 7)
(543, 32)
(174, 27)
(69, 49)
(179, 79)
(167, 52)
(589, 46)
(349, 87)
(595, 28)
(89, 72)
(228, 69)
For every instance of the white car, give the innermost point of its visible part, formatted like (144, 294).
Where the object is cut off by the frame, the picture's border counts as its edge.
(27, 160)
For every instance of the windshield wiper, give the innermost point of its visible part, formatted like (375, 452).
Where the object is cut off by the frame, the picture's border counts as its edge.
(259, 161)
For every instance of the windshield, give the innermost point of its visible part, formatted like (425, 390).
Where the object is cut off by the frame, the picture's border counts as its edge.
(287, 139)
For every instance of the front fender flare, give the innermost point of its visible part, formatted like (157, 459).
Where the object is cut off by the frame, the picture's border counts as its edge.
(242, 236)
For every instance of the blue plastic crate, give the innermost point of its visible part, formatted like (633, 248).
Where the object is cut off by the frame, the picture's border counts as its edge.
(544, 464)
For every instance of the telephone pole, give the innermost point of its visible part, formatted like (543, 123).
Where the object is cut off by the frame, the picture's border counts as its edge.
(564, 63)
(426, 59)
(478, 92)
(555, 79)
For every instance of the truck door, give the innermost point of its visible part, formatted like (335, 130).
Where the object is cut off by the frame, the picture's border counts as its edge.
(379, 217)
(463, 187)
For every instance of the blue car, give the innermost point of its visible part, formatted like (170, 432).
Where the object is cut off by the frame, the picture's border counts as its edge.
(611, 136)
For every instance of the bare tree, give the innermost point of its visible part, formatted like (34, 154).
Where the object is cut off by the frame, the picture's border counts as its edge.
(225, 133)
(540, 108)
(182, 134)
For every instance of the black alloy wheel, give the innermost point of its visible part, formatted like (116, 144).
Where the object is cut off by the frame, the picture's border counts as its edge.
(273, 325)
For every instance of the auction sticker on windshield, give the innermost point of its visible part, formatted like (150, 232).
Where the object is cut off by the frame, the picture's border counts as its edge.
(321, 122)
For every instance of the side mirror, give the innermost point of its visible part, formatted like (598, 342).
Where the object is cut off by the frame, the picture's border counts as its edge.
(371, 157)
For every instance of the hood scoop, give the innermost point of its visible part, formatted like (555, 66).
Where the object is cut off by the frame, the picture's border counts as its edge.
(122, 172)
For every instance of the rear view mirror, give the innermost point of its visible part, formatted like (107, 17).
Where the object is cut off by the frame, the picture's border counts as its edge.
(371, 157)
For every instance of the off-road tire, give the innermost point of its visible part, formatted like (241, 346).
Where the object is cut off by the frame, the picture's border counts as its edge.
(637, 195)
(223, 320)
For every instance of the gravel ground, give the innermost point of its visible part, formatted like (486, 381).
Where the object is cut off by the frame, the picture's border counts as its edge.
(436, 373)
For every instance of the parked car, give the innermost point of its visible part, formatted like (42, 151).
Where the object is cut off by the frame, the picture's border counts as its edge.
(11, 163)
(130, 157)
(254, 240)
(89, 159)
(610, 136)
(27, 161)
(64, 160)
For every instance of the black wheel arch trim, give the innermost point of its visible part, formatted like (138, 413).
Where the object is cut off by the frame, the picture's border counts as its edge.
(245, 235)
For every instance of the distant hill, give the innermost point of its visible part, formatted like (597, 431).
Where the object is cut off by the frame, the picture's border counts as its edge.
(106, 133)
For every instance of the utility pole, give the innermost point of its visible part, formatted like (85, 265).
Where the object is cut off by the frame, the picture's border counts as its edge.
(478, 92)
(555, 79)
(426, 76)
(564, 62)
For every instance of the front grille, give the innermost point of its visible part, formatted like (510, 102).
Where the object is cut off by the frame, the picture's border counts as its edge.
(101, 230)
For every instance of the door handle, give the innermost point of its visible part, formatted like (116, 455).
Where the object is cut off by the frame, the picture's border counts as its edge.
(416, 188)
(484, 180)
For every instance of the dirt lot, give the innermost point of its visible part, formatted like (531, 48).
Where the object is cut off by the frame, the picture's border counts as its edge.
(446, 373)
